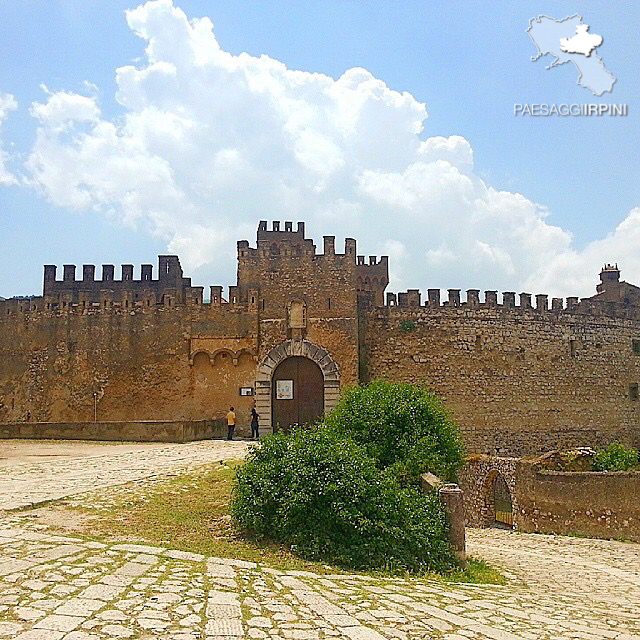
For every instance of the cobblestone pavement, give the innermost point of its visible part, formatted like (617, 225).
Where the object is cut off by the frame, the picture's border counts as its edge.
(26, 485)
(55, 587)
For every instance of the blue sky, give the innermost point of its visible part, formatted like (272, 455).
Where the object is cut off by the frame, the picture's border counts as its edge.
(468, 61)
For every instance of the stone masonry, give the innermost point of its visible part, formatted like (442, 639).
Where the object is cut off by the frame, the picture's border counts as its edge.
(521, 374)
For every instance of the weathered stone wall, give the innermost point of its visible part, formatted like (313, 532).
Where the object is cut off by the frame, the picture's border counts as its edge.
(158, 359)
(139, 363)
(519, 380)
(602, 505)
(476, 480)
(141, 431)
(533, 377)
(504, 440)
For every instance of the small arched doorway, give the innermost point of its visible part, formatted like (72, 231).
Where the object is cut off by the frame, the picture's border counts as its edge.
(297, 393)
(498, 504)
(502, 503)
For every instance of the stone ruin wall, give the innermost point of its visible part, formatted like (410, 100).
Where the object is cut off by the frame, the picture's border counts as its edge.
(596, 504)
(518, 380)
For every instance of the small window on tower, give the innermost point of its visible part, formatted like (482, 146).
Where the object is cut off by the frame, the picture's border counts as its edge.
(635, 346)
(633, 392)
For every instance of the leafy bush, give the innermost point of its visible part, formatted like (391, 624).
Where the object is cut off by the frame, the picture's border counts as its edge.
(408, 326)
(324, 496)
(616, 457)
(403, 427)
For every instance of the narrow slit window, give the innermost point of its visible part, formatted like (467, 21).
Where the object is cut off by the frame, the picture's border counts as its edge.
(633, 392)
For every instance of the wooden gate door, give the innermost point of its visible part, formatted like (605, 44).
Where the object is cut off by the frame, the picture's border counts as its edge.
(297, 393)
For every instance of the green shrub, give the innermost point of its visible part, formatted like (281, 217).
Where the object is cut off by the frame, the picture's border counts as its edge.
(403, 427)
(616, 457)
(322, 495)
(408, 326)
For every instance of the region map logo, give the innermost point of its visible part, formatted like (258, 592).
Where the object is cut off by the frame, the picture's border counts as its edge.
(569, 40)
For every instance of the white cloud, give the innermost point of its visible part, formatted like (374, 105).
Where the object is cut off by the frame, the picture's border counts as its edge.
(7, 104)
(211, 142)
(574, 270)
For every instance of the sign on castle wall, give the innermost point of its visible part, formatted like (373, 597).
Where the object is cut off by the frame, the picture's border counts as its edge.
(284, 390)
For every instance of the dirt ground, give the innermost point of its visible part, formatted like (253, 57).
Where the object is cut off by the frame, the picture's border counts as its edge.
(14, 452)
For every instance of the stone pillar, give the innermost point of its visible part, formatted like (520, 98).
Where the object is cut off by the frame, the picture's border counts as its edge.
(525, 301)
(454, 297)
(434, 297)
(557, 304)
(509, 299)
(413, 297)
(452, 499)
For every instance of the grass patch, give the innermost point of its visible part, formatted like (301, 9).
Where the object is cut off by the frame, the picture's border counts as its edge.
(190, 512)
(477, 572)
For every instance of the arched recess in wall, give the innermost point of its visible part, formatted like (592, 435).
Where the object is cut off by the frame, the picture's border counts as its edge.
(201, 360)
(498, 508)
(306, 349)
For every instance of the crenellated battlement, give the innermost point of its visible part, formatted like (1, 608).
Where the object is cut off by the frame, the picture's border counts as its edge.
(219, 302)
(511, 301)
(169, 289)
(283, 252)
(282, 241)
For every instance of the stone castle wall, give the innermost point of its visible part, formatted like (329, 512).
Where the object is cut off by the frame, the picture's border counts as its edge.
(154, 358)
(140, 363)
(518, 381)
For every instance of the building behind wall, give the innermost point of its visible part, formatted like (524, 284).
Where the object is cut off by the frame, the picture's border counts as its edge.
(521, 373)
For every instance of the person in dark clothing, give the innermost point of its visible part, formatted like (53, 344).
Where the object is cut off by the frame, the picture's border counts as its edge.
(254, 424)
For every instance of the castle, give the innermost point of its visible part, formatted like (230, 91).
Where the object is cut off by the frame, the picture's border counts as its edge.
(521, 376)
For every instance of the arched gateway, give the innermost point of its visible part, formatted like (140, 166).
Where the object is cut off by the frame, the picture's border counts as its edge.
(295, 383)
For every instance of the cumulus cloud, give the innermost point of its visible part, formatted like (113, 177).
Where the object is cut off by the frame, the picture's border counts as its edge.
(573, 270)
(7, 104)
(212, 142)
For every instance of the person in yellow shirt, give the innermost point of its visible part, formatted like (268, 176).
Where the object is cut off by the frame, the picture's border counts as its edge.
(231, 423)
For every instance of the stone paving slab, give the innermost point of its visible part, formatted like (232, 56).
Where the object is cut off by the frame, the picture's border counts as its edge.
(56, 587)
(559, 588)
(30, 484)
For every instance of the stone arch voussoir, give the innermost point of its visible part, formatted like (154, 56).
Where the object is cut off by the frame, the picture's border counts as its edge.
(271, 360)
